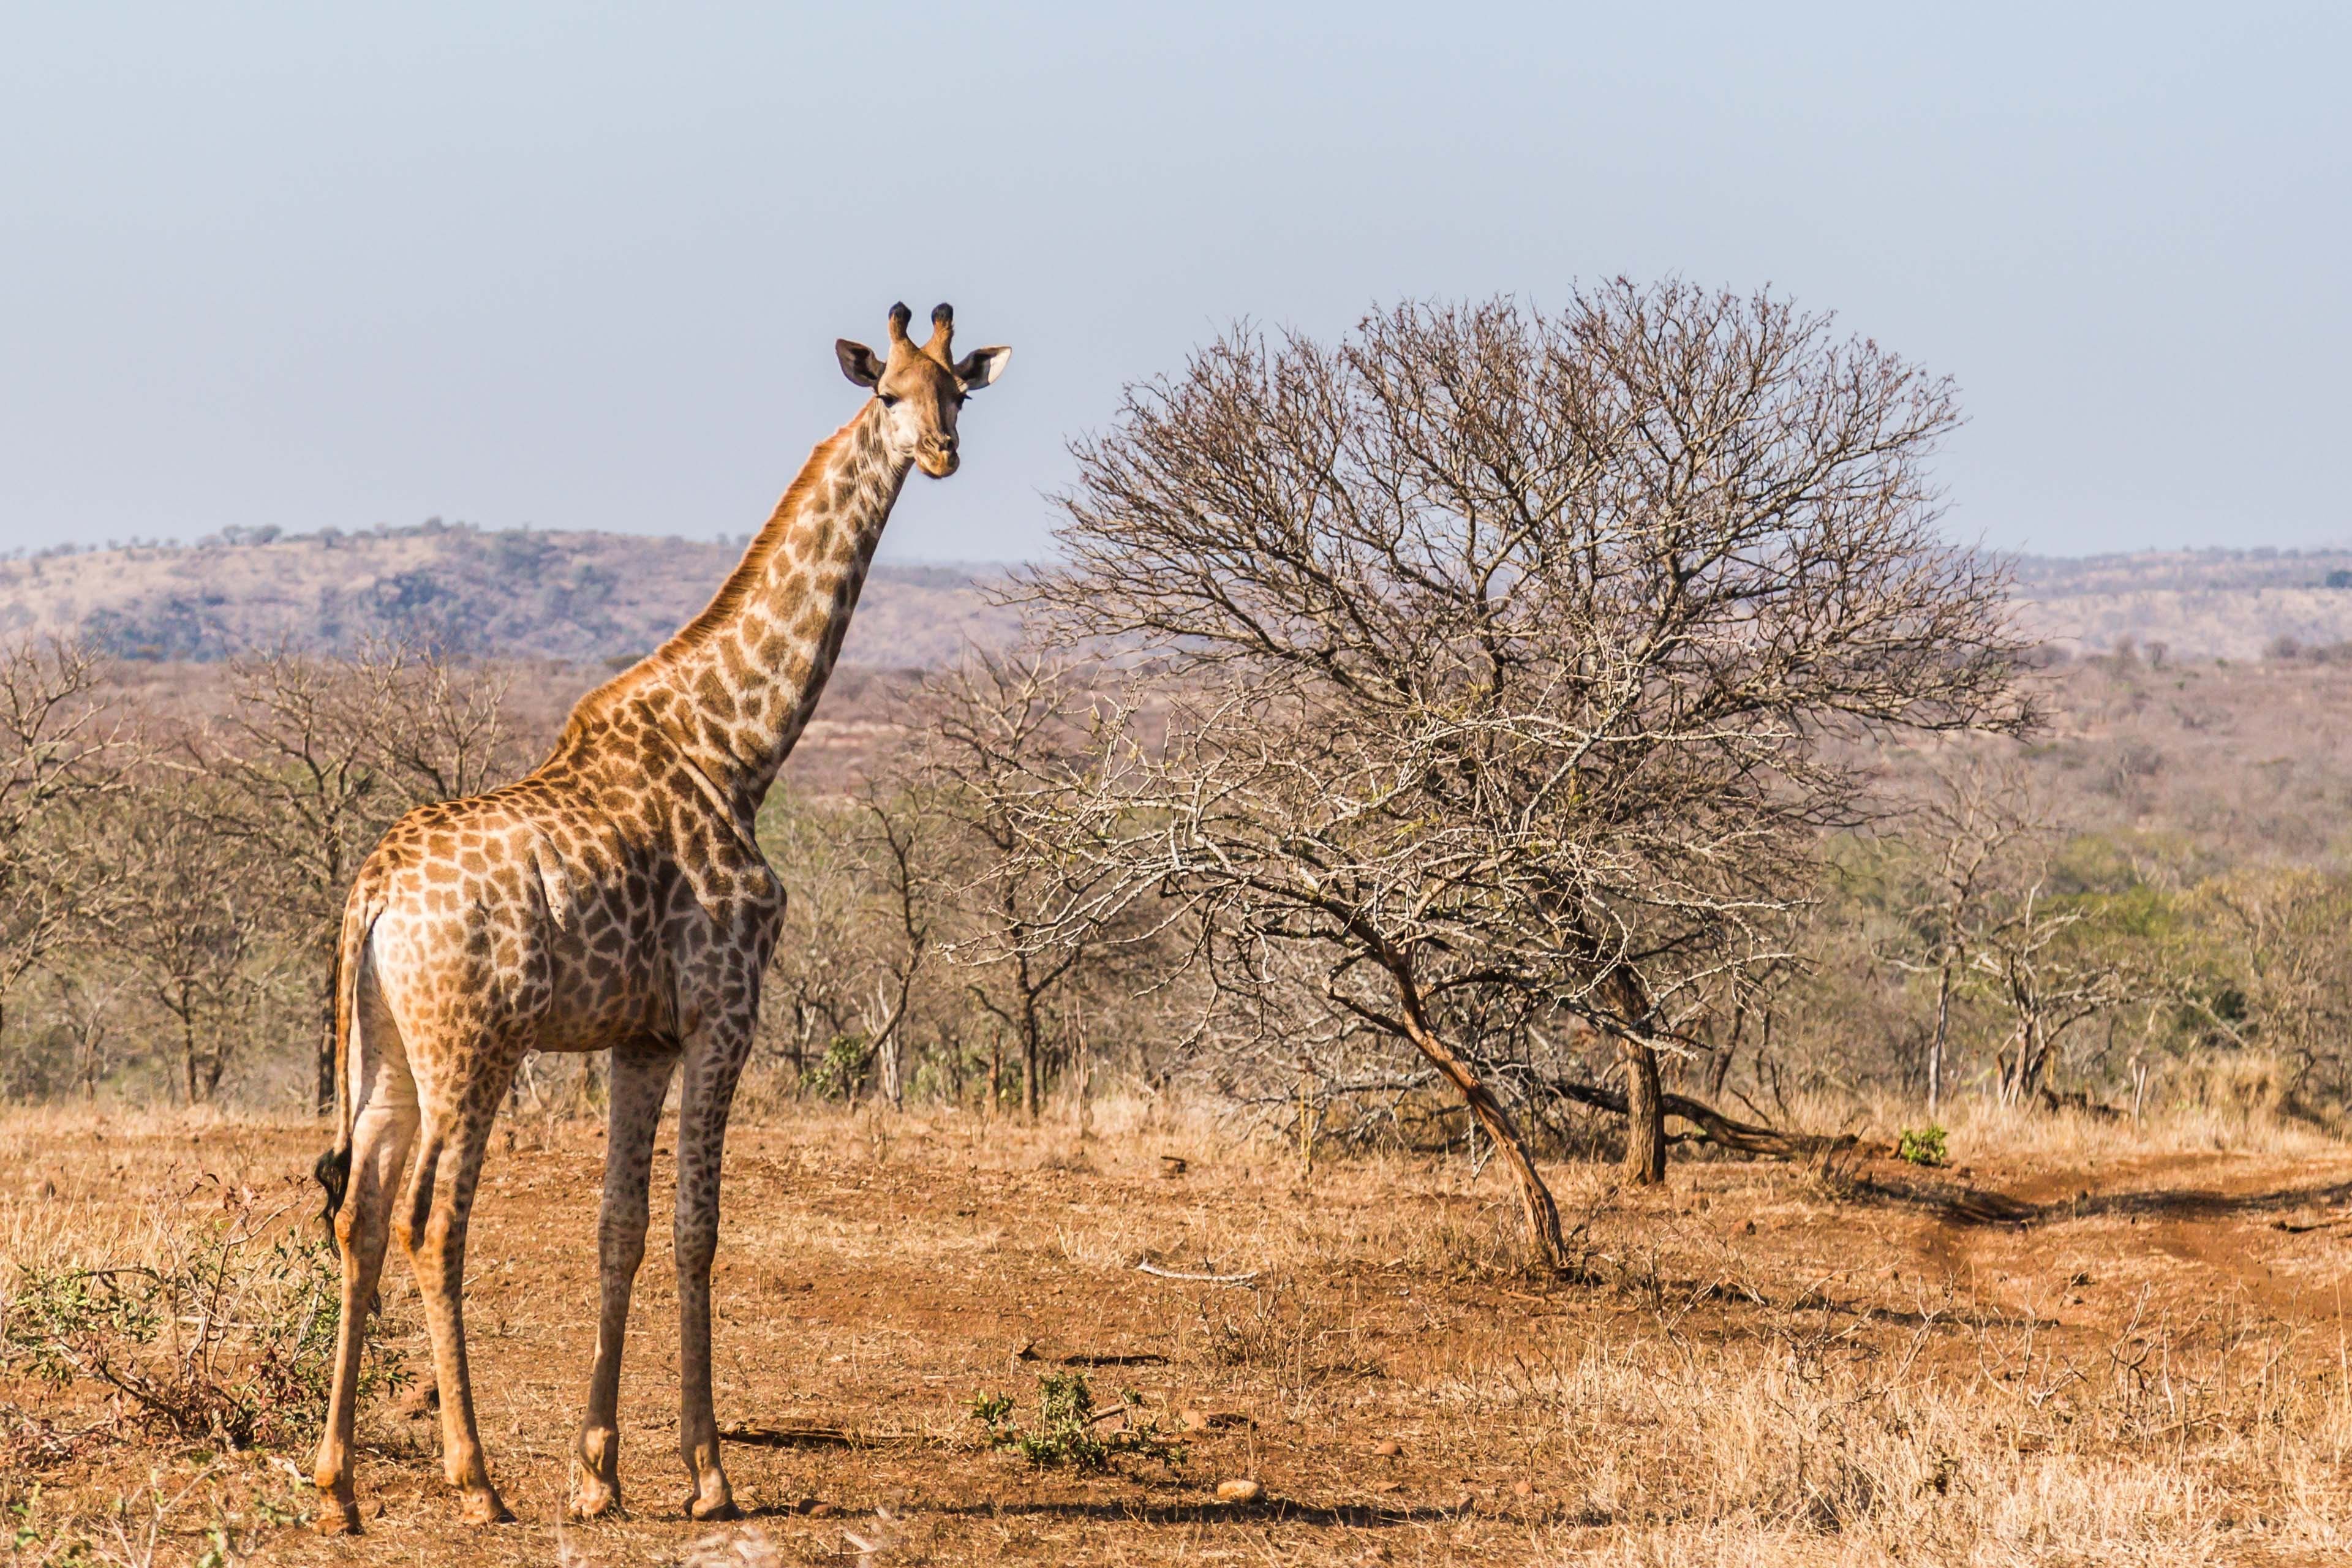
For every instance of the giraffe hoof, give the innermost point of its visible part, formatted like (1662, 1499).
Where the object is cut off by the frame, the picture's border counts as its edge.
(595, 1500)
(716, 1510)
(337, 1516)
(485, 1507)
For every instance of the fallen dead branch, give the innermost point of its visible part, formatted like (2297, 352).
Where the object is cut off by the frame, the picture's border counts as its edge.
(809, 1435)
(1714, 1127)
(1148, 1267)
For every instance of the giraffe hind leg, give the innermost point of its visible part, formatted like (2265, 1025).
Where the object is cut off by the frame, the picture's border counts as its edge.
(432, 1224)
(383, 1122)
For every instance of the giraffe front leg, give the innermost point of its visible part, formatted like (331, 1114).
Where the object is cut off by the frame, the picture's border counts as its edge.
(712, 1066)
(640, 1083)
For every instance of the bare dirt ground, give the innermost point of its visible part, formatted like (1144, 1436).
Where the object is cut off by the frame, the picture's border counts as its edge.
(2123, 1350)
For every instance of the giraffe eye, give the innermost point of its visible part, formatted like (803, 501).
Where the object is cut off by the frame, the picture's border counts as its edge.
(888, 401)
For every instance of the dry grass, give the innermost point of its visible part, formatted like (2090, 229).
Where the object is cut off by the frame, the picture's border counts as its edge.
(1768, 1365)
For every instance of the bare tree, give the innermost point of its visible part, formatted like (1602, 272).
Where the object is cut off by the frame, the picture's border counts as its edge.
(318, 756)
(1492, 655)
(191, 925)
(818, 983)
(2037, 962)
(88, 1014)
(1972, 819)
(59, 751)
(994, 732)
(896, 825)
(2285, 980)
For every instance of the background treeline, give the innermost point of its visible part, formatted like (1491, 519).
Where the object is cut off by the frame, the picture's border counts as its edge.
(1476, 729)
(2153, 910)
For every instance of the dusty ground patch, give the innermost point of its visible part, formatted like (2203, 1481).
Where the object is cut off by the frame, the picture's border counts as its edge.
(2113, 1355)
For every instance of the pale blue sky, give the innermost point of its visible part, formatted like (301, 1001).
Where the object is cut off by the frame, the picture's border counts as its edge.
(582, 266)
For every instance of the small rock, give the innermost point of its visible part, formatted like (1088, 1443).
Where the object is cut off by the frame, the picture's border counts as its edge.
(1384, 1488)
(1387, 1448)
(1523, 1488)
(808, 1505)
(1747, 1229)
(1172, 1165)
(822, 1510)
(1240, 1489)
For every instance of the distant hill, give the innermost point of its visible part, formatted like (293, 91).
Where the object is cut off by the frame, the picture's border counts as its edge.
(593, 598)
(578, 597)
(2199, 604)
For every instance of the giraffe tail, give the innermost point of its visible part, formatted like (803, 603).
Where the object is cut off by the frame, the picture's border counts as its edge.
(333, 1171)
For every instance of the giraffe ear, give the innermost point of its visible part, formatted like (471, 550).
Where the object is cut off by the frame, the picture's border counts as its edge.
(858, 361)
(981, 367)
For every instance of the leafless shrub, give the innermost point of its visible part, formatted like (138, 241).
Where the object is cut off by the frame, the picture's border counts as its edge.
(1489, 657)
(59, 751)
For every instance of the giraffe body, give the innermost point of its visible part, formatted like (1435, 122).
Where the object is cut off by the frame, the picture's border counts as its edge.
(614, 899)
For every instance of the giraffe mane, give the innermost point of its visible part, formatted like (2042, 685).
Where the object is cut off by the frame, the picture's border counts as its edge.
(740, 583)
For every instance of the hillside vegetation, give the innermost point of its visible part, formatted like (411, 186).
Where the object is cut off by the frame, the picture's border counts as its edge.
(2196, 604)
(589, 598)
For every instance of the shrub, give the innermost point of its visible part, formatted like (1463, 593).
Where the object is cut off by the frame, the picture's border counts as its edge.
(1067, 1421)
(1921, 1145)
(229, 1338)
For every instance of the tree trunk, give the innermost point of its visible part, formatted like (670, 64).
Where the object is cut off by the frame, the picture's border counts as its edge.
(1535, 1198)
(1646, 1114)
(1935, 1042)
(1031, 1091)
(2033, 1052)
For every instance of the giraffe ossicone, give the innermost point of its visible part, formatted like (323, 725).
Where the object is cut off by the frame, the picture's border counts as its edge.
(614, 899)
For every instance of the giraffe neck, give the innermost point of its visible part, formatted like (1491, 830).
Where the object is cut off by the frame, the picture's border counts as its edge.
(744, 675)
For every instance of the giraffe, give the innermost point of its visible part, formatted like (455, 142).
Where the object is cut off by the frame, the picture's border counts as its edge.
(613, 900)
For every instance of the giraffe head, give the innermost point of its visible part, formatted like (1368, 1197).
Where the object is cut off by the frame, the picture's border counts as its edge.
(921, 386)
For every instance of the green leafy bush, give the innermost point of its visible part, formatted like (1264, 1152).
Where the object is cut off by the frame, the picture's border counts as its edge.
(1067, 1422)
(1921, 1145)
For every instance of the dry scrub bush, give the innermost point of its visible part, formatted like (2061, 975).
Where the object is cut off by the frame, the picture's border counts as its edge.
(219, 1328)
